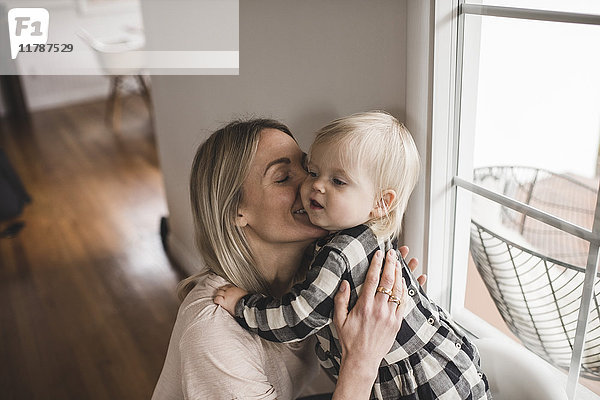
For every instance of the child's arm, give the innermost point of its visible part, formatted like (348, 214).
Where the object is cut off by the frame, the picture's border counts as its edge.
(304, 310)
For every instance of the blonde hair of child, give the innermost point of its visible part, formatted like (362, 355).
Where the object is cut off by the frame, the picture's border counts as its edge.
(377, 141)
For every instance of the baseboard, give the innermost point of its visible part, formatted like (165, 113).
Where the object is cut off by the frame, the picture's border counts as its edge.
(189, 261)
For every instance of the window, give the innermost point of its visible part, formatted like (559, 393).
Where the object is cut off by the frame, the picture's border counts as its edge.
(515, 150)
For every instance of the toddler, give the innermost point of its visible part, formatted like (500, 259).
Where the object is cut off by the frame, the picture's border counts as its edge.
(361, 172)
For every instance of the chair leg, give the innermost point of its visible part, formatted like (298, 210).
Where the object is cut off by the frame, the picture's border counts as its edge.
(113, 106)
(110, 102)
(145, 91)
(146, 96)
(116, 119)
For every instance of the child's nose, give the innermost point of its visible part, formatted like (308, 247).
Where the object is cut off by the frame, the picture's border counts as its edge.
(318, 185)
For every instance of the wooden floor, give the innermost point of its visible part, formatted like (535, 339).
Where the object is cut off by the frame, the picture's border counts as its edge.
(87, 295)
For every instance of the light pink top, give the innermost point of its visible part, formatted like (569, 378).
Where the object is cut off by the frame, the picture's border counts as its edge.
(211, 357)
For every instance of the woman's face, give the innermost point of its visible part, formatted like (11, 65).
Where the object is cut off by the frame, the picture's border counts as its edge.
(271, 209)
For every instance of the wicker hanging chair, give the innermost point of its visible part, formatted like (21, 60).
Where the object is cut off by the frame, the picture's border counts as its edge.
(535, 272)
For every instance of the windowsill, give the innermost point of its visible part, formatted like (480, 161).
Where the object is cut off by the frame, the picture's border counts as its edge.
(478, 328)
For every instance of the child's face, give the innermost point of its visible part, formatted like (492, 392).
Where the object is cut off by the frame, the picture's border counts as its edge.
(335, 198)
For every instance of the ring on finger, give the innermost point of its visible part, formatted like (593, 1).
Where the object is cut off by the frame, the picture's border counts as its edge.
(395, 299)
(384, 290)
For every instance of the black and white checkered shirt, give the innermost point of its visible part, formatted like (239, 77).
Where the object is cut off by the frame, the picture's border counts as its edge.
(431, 357)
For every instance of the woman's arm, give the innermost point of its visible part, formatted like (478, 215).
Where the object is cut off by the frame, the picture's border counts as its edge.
(368, 331)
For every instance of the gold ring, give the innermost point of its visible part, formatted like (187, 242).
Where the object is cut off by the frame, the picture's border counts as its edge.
(383, 290)
(395, 299)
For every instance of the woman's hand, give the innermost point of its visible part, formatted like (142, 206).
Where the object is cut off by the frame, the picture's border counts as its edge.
(367, 333)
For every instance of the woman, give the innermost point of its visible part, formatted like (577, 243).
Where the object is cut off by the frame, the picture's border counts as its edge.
(253, 232)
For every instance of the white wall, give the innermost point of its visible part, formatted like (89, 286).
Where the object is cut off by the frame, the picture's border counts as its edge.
(304, 63)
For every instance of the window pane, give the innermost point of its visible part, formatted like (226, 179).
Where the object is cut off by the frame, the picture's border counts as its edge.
(536, 104)
(576, 6)
(531, 104)
(516, 286)
(554, 193)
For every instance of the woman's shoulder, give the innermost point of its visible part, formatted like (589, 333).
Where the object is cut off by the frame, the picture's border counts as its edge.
(198, 306)
(200, 320)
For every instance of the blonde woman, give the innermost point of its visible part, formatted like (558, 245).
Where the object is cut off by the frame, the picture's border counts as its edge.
(257, 166)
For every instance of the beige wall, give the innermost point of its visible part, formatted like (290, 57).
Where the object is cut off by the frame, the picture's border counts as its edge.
(419, 72)
(302, 62)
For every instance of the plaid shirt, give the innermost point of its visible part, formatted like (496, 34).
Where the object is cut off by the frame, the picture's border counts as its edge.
(431, 357)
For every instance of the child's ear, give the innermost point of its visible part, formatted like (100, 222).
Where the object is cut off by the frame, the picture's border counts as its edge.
(382, 205)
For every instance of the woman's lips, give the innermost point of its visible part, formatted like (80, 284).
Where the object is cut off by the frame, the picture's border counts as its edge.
(314, 205)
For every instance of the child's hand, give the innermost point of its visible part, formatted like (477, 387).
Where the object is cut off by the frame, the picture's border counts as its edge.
(227, 297)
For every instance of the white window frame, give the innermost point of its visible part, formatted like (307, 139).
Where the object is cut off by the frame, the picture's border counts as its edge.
(450, 195)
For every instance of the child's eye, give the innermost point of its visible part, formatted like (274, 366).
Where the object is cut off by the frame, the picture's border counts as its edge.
(338, 182)
(313, 174)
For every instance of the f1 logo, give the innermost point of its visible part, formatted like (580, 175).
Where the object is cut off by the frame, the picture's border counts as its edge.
(27, 26)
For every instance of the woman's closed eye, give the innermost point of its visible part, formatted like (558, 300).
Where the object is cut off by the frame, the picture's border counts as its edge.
(283, 179)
